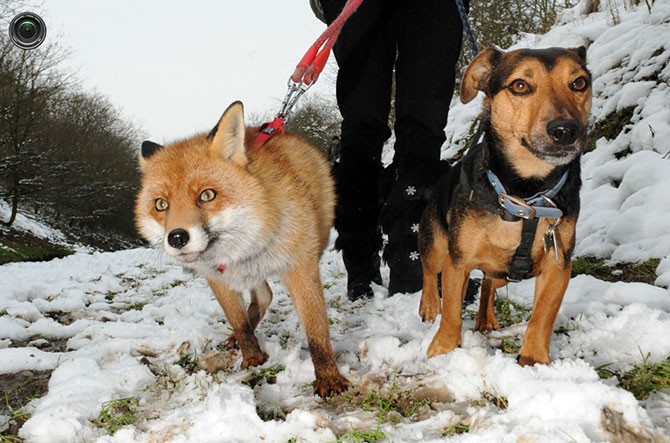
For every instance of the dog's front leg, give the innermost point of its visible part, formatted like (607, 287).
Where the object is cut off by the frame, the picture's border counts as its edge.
(454, 284)
(232, 306)
(549, 290)
(304, 286)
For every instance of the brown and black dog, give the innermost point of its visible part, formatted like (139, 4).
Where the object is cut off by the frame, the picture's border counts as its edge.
(510, 206)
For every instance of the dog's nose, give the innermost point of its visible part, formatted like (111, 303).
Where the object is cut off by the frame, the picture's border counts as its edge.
(564, 132)
(178, 238)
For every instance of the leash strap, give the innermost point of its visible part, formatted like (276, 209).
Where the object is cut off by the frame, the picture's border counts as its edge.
(469, 35)
(307, 71)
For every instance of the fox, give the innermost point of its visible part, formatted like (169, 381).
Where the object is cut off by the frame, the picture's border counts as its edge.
(238, 212)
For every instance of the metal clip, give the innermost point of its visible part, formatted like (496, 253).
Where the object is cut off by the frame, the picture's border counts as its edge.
(295, 91)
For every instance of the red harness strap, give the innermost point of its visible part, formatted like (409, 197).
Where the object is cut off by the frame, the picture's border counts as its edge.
(307, 71)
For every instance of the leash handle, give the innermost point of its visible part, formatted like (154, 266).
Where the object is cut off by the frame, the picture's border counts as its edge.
(312, 63)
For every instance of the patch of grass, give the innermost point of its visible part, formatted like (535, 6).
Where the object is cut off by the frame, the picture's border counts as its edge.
(605, 373)
(455, 429)
(137, 306)
(18, 390)
(362, 436)
(268, 374)
(646, 378)
(3, 312)
(510, 345)
(117, 413)
(17, 246)
(389, 407)
(496, 400)
(644, 272)
(188, 363)
(610, 127)
(509, 312)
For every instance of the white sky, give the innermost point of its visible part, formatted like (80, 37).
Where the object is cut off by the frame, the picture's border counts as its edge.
(174, 66)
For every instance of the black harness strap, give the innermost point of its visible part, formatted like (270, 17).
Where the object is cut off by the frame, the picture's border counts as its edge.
(521, 266)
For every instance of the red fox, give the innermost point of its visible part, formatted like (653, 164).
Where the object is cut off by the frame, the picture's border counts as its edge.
(237, 212)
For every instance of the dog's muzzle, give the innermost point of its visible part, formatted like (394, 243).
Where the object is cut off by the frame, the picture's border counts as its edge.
(564, 132)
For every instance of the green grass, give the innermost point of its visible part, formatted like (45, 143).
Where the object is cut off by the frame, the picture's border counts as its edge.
(388, 407)
(610, 127)
(646, 378)
(362, 436)
(509, 312)
(644, 272)
(17, 246)
(455, 429)
(117, 413)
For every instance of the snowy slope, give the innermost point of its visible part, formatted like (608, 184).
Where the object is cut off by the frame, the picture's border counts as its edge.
(112, 325)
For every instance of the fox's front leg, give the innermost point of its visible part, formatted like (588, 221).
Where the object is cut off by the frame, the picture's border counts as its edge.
(231, 302)
(304, 285)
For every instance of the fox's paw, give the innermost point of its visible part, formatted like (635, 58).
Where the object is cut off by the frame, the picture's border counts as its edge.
(329, 386)
(230, 343)
(254, 359)
(484, 324)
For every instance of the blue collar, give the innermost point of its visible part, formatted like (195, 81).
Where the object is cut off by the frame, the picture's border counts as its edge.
(539, 205)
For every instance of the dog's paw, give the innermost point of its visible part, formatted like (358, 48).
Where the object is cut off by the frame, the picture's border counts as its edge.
(442, 344)
(329, 386)
(429, 308)
(529, 359)
(253, 359)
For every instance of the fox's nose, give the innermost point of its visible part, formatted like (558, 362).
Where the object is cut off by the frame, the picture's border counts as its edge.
(564, 132)
(178, 238)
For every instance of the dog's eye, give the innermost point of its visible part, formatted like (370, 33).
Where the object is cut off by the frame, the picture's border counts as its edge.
(207, 196)
(161, 204)
(519, 87)
(579, 84)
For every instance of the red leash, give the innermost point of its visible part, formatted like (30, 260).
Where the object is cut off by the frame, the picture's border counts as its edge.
(307, 71)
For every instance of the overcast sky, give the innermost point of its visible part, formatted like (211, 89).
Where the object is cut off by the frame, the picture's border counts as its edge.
(174, 66)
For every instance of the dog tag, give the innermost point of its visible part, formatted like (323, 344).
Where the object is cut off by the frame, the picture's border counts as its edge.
(551, 240)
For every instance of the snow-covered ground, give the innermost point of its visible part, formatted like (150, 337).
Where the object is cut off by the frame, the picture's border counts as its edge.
(113, 325)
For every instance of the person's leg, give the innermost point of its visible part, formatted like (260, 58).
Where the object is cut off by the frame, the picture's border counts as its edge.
(429, 42)
(365, 55)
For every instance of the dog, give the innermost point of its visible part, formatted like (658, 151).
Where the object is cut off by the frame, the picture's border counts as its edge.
(510, 206)
(236, 212)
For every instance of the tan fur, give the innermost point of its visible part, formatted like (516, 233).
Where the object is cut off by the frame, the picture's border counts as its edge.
(271, 215)
(483, 239)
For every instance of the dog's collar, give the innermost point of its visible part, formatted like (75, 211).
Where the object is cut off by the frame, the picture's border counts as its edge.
(539, 205)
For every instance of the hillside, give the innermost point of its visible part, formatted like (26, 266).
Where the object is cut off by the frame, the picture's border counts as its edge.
(125, 346)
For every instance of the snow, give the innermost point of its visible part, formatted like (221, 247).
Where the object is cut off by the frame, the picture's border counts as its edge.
(112, 325)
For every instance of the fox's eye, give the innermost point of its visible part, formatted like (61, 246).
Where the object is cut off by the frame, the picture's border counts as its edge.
(161, 204)
(519, 87)
(207, 196)
(580, 84)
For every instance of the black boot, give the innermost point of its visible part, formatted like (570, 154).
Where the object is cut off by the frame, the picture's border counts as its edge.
(406, 200)
(359, 237)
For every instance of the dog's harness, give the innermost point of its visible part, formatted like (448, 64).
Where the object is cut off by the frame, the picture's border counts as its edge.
(511, 208)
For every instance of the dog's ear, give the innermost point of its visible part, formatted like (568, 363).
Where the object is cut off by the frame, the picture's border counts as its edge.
(228, 135)
(149, 148)
(476, 77)
(581, 53)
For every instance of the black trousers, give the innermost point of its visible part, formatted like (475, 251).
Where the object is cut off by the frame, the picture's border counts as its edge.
(419, 41)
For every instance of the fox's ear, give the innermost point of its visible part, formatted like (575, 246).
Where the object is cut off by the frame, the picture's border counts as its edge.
(149, 148)
(228, 135)
(478, 73)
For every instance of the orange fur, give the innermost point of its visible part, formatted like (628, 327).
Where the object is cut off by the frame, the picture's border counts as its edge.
(271, 214)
